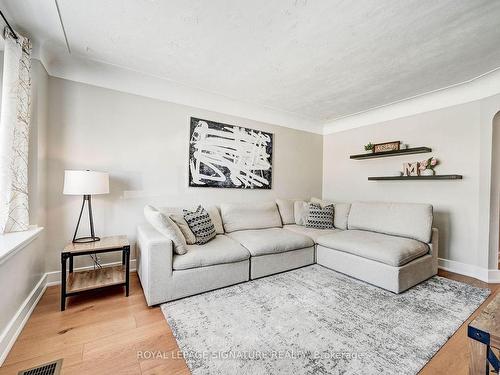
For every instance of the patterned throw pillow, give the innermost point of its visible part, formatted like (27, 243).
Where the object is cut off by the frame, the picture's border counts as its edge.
(200, 224)
(320, 218)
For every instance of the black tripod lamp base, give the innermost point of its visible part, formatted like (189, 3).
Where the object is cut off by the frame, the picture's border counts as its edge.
(86, 239)
(92, 237)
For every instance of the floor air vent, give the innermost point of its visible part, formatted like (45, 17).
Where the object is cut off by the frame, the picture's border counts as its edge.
(51, 368)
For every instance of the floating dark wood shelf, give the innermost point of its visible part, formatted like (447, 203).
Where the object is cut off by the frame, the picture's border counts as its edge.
(406, 151)
(435, 177)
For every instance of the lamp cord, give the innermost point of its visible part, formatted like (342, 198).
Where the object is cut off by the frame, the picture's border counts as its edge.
(97, 262)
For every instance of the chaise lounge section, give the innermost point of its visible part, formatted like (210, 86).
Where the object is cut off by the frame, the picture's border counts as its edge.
(390, 245)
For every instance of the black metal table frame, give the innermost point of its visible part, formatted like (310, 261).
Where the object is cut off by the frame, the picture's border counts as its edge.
(65, 255)
(484, 338)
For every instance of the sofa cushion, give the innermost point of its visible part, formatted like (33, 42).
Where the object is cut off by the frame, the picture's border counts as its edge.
(312, 233)
(411, 220)
(341, 215)
(285, 207)
(391, 250)
(245, 216)
(271, 241)
(220, 250)
(300, 212)
(341, 211)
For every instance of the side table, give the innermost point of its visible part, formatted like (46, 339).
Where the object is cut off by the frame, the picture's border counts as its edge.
(484, 334)
(83, 281)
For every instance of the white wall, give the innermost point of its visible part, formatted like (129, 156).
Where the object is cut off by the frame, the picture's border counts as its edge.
(457, 137)
(143, 144)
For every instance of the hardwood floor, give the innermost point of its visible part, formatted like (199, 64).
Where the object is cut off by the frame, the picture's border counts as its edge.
(106, 333)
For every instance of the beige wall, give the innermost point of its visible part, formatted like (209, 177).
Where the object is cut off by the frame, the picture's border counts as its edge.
(453, 134)
(143, 144)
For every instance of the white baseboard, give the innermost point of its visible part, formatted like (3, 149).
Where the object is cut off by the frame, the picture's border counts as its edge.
(483, 274)
(494, 276)
(10, 334)
(17, 323)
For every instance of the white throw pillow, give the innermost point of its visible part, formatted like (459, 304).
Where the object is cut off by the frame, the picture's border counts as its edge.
(184, 227)
(214, 214)
(167, 227)
(300, 212)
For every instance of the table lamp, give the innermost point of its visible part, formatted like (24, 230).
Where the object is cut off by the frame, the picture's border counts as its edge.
(86, 183)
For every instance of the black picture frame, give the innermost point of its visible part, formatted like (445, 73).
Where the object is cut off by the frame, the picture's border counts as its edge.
(222, 156)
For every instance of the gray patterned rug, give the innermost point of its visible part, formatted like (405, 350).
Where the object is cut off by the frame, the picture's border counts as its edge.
(317, 321)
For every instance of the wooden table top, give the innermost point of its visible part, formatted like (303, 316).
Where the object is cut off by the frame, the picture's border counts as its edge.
(488, 321)
(106, 243)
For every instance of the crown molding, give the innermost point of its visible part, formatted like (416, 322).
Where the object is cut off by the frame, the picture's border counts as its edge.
(60, 64)
(480, 87)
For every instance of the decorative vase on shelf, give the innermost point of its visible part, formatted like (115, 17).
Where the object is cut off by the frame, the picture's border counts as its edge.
(427, 172)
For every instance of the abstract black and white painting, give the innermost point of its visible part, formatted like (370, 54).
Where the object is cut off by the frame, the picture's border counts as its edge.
(228, 156)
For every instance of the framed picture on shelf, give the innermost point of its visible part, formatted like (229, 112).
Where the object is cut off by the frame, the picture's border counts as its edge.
(386, 146)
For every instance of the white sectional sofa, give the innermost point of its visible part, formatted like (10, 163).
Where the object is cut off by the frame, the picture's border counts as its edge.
(390, 245)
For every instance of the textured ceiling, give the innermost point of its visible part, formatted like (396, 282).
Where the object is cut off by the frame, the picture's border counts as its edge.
(319, 59)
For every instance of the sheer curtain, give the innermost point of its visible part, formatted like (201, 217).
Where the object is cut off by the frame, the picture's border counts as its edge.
(14, 134)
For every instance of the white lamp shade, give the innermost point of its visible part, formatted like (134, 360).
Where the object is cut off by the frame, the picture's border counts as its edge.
(85, 183)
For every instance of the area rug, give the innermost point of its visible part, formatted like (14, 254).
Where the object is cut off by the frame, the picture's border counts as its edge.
(316, 321)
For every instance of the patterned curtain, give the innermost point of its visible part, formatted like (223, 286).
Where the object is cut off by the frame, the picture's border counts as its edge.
(14, 134)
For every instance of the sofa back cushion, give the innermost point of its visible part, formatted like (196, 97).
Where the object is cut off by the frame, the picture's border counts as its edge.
(300, 212)
(341, 215)
(410, 220)
(287, 210)
(341, 211)
(250, 216)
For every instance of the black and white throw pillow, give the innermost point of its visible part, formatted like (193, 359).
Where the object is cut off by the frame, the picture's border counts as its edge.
(320, 218)
(200, 224)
